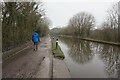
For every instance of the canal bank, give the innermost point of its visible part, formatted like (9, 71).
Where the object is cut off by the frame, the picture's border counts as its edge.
(93, 40)
(60, 69)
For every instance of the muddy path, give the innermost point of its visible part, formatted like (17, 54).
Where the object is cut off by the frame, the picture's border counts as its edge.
(26, 64)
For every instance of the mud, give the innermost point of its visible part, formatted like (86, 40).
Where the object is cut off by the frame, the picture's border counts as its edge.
(27, 63)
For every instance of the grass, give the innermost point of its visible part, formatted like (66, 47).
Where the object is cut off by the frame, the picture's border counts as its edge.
(57, 52)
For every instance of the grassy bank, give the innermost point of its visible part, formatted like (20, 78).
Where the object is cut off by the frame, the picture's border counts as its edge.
(93, 40)
(57, 52)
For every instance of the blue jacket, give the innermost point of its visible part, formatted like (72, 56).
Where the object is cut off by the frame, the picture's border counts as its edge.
(35, 37)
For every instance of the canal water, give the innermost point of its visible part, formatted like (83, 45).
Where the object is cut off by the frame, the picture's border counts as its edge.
(86, 59)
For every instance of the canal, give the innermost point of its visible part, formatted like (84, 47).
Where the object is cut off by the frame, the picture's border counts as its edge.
(86, 59)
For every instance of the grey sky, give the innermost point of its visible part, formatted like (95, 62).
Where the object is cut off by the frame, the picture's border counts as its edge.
(61, 11)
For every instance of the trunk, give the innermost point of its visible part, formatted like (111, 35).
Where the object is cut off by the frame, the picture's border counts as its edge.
(118, 21)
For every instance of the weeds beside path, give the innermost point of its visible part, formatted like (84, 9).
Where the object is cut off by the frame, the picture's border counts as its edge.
(57, 52)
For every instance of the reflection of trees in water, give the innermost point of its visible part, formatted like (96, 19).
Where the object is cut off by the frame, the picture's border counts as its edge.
(110, 57)
(83, 51)
(67, 41)
(79, 50)
(119, 65)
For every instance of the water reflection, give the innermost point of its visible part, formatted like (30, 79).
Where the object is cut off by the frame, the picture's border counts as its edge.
(82, 52)
(110, 56)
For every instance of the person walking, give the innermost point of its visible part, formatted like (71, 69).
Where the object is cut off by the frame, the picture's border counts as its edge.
(36, 40)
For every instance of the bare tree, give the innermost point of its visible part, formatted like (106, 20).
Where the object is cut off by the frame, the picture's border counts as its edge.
(112, 20)
(20, 20)
(119, 21)
(109, 30)
(82, 23)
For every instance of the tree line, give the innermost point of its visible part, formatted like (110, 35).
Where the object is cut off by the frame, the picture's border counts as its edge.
(83, 24)
(20, 20)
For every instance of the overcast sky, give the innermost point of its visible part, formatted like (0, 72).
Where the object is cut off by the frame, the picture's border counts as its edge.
(60, 11)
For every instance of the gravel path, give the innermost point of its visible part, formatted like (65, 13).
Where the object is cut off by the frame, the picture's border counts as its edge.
(27, 65)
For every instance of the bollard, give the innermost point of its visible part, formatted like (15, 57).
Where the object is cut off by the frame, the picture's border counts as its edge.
(56, 43)
(52, 40)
